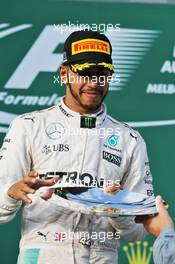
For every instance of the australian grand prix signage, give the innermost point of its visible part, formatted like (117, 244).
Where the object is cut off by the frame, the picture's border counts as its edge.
(143, 56)
(130, 48)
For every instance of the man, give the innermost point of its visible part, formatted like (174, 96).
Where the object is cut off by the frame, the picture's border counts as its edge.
(162, 227)
(66, 142)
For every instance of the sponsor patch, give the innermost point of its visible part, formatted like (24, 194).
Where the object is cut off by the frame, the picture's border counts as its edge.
(46, 149)
(88, 122)
(43, 235)
(150, 192)
(112, 158)
(90, 45)
(64, 111)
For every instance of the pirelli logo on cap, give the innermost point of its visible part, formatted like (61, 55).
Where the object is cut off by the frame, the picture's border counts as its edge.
(90, 45)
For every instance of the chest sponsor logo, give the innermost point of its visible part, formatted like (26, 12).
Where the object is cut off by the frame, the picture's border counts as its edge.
(55, 130)
(47, 149)
(112, 143)
(75, 178)
(113, 140)
(112, 158)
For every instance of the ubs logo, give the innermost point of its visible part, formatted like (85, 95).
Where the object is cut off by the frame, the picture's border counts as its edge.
(47, 149)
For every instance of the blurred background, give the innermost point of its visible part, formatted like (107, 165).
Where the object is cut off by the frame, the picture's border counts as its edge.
(142, 94)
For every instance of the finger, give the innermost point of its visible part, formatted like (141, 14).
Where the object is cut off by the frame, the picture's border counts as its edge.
(111, 192)
(33, 173)
(31, 178)
(42, 183)
(48, 194)
(25, 198)
(159, 203)
(27, 189)
(113, 187)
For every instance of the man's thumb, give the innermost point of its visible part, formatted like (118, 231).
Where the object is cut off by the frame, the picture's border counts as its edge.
(159, 203)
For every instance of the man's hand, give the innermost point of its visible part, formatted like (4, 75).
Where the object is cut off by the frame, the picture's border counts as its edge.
(155, 224)
(30, 183)
(112, 188)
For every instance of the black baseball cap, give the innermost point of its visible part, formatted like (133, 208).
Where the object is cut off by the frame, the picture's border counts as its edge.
(85, 49)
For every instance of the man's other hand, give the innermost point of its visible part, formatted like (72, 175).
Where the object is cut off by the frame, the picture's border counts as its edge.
(30, 183)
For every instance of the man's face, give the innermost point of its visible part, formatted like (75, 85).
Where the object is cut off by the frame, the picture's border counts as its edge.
(87, 89)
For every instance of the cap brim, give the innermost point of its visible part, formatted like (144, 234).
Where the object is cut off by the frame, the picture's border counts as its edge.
(82, 66)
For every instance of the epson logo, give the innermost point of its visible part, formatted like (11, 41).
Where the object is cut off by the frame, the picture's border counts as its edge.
(112, 158)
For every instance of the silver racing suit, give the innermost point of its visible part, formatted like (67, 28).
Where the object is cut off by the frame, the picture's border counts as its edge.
(59, 141)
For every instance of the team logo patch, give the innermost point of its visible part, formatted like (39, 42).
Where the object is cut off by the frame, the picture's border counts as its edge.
(55, 130)
(90, 45)
(113, 140)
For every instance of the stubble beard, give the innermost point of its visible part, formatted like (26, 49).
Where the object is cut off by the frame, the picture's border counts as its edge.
(89, 107)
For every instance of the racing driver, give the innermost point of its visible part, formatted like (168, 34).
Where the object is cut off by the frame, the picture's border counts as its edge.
(66, 142)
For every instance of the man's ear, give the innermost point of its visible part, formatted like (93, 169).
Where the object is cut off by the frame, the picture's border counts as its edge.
(63, 74)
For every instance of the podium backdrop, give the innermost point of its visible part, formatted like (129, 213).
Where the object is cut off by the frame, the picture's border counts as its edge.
(143, 41)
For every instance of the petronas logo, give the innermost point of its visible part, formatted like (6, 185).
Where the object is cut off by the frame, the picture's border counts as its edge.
(138, 253)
